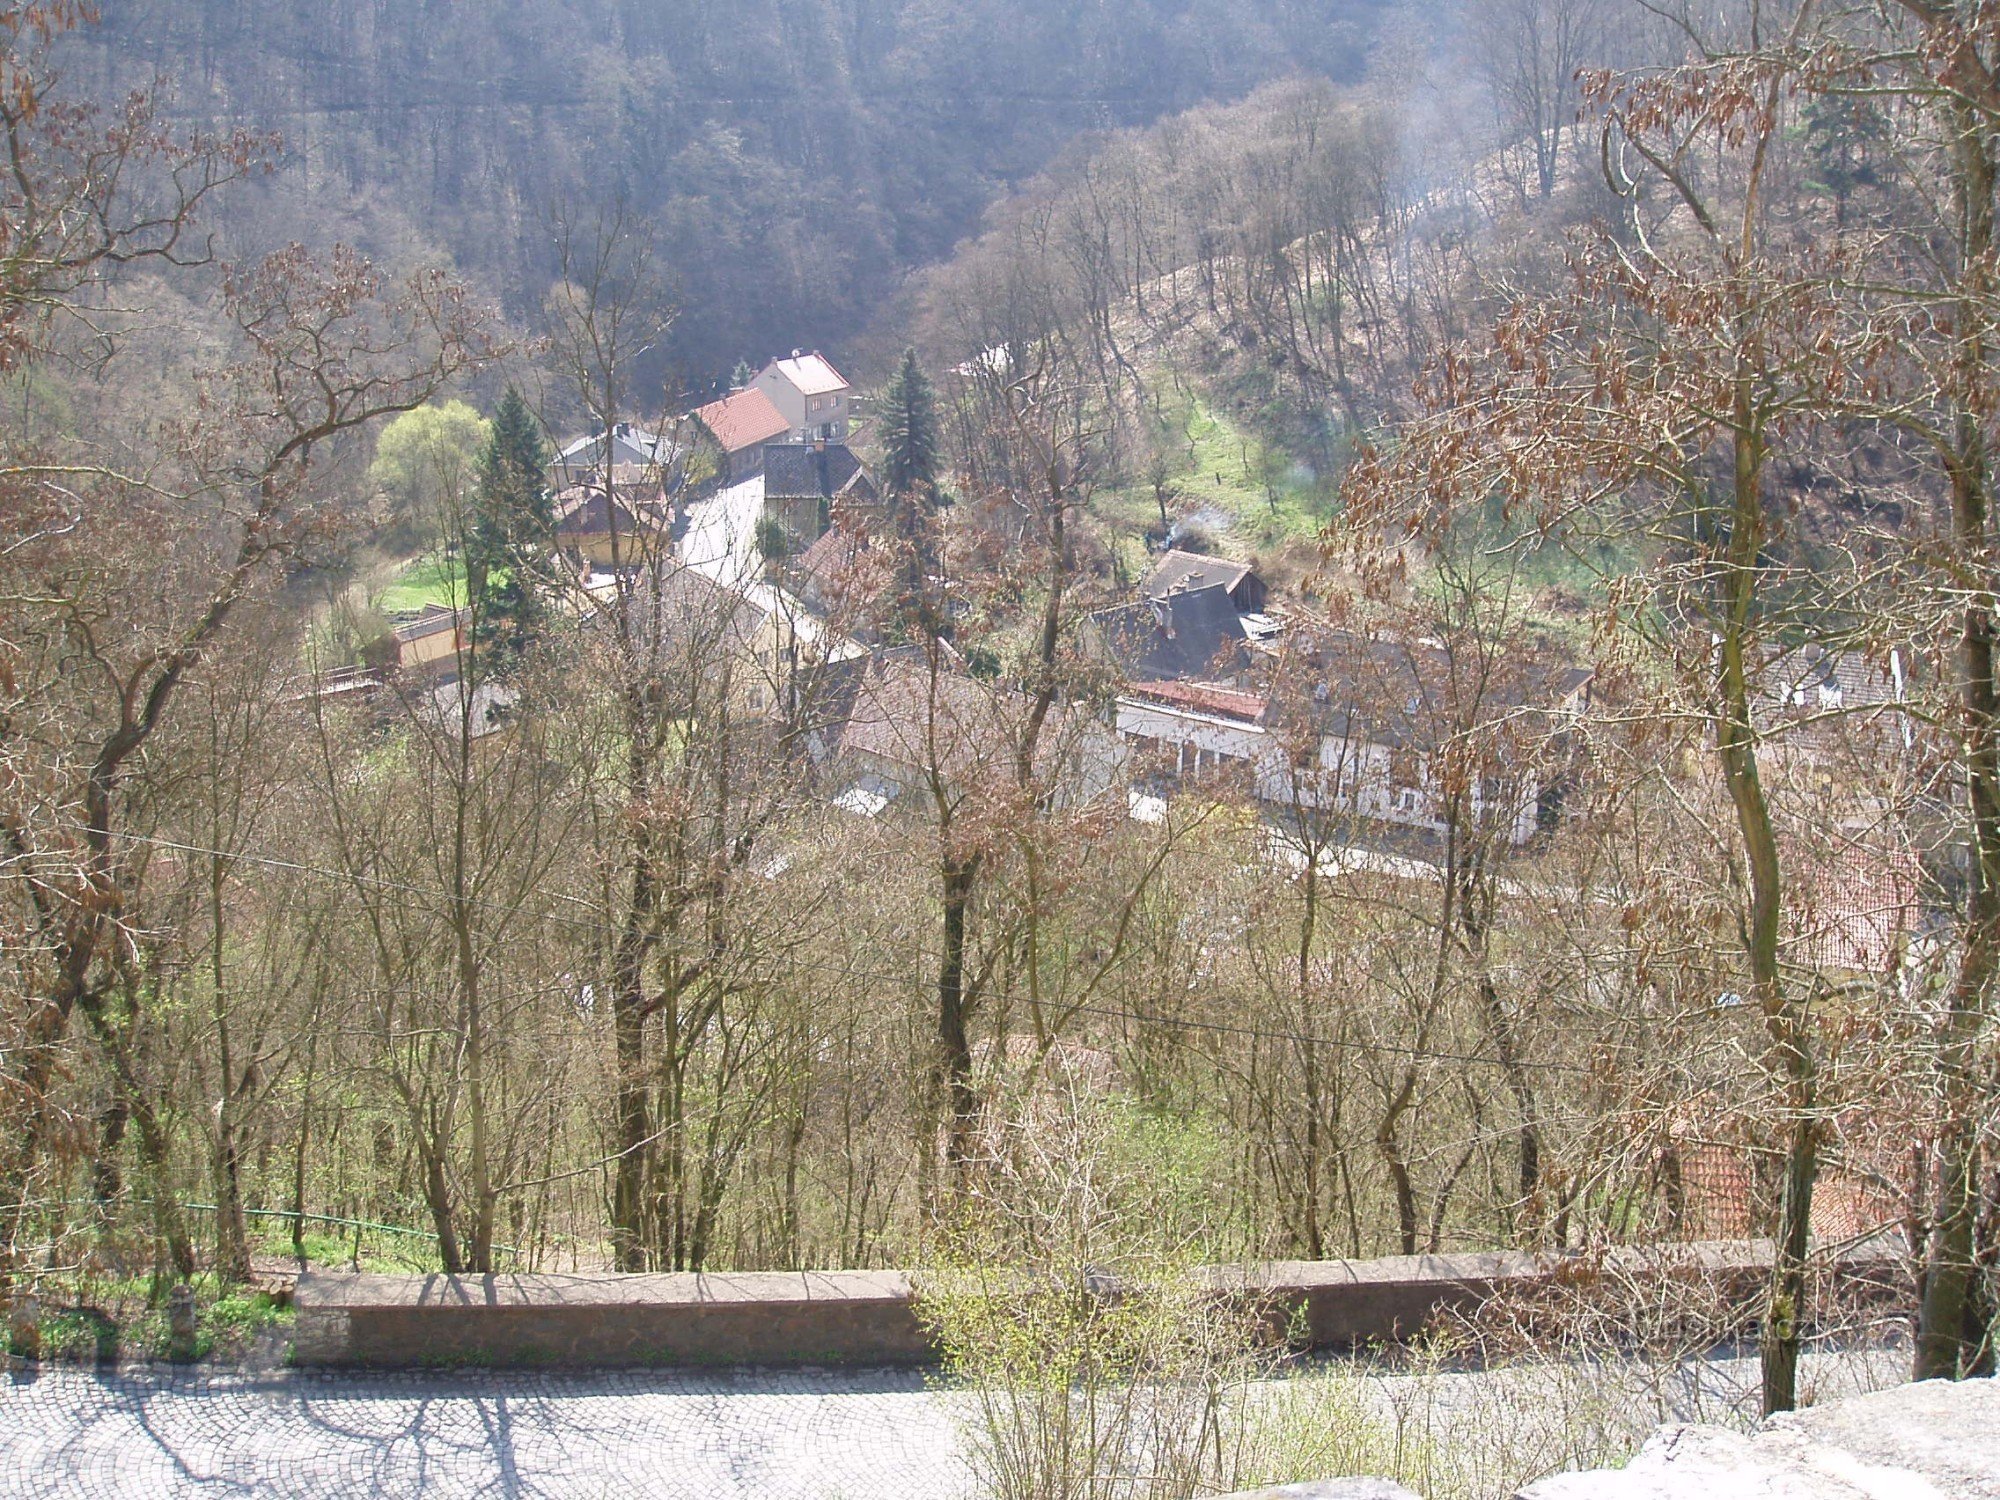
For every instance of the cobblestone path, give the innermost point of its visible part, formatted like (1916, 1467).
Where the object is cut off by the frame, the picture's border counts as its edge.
(150, 1435)
(154, 1433)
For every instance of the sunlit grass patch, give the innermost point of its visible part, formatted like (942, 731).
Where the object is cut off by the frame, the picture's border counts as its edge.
(431, 579)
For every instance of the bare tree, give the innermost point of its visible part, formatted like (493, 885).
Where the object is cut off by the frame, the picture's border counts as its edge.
(1715, 346)
(324, 348)
(1529, 53)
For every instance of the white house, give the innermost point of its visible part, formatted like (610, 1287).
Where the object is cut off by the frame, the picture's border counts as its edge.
(1365, 742)
(810, 393)
(1182, 731)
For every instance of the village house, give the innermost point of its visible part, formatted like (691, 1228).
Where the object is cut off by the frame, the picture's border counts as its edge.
(476, 713)
(1197, 619)
(1707, 1165)
(844, 575)
(804, 482)
(1828, 709)
(913, 716)
(630, 448)
(1183, 731)
(619, 527)
(810, 393)
(1362, 738)
(1842, 744)
(756, 644)
(353, 683)
(1177, 571)
(698, 628)
(436, 635)
(1188, 634)
(739, 425)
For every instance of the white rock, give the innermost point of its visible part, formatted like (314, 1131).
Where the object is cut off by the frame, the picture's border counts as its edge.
(1934, 1441)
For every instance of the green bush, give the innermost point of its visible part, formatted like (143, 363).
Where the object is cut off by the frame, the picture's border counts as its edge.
(1067, 1294)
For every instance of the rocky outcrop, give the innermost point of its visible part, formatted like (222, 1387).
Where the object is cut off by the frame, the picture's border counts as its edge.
(1932, 1441)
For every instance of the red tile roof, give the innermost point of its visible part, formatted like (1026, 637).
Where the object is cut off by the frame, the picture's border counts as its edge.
(834, 553)
(583, 511)
(1720, 1197)
(1851, 905)
(1202, 699)
(743, 419)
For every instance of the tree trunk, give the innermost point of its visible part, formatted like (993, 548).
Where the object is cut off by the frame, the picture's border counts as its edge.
(628, 1179)
(1784, 1021)
(1950, 1334)
(954, 1049)
(1315, 1238)
(1475, 918)
(437, 1197)
(232, 1240)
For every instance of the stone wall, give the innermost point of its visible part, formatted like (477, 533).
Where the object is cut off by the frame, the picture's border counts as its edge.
(869, 1317)
(765, 1318)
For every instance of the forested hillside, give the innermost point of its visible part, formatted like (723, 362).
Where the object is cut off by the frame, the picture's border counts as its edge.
(1256, 286)
(794, 158)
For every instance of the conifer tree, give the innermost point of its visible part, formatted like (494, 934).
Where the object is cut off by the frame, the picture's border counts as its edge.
(910, 434)
(512, 516)
(910, 464)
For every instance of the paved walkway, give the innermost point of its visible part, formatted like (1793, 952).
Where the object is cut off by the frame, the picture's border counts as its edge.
(162, 1434)
(147, 1435)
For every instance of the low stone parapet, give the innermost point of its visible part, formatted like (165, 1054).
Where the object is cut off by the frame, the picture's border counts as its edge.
(1343, 1303)
(754, 1318)
(870, 1317)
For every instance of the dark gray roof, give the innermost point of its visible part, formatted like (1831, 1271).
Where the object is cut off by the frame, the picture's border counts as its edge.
(1177, 571)
(1193, 633)
(629, 445)
(819, 471)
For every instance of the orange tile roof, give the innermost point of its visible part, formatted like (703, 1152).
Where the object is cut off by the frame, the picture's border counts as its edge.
(743, 419)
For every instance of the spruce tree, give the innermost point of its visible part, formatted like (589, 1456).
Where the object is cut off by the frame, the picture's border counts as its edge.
(910, 434)
(910, 465)
(512, 519)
